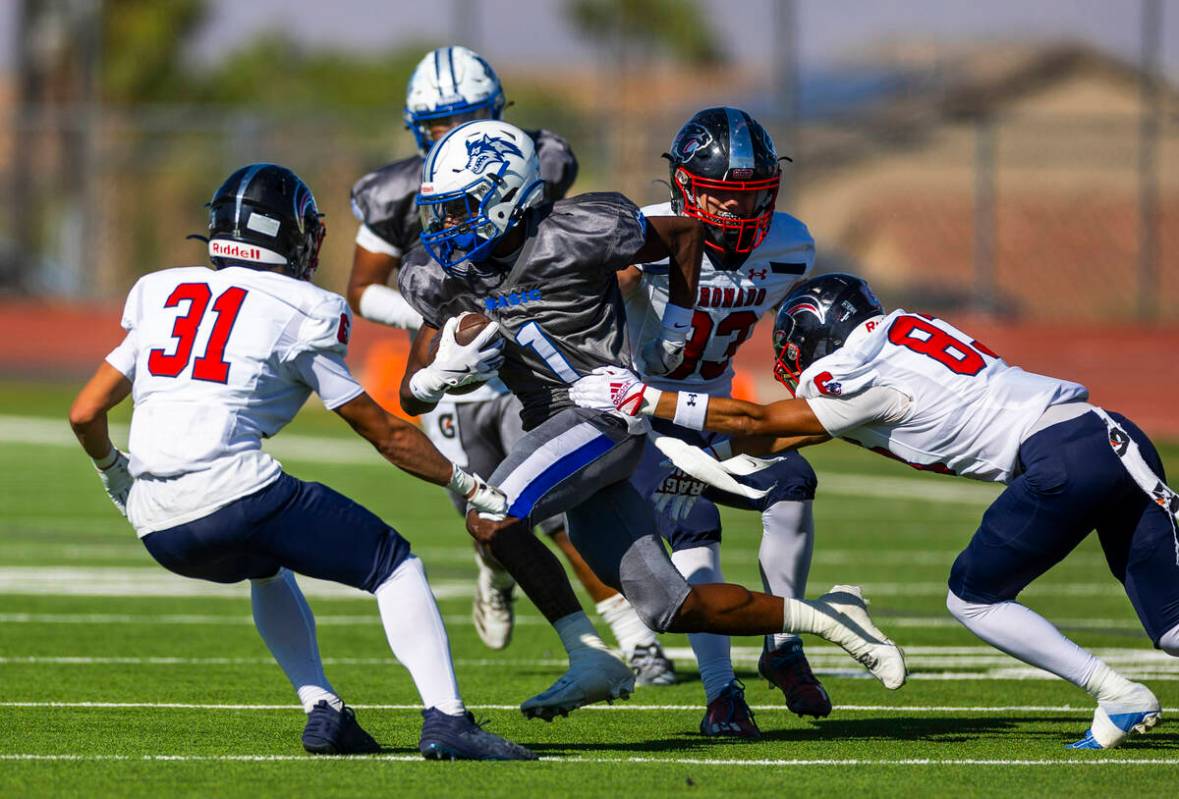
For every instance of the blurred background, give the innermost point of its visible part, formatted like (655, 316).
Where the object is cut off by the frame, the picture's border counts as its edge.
(1011, 165)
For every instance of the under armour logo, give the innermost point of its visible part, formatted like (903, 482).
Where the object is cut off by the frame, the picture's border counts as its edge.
(691, 400)
(759, 274)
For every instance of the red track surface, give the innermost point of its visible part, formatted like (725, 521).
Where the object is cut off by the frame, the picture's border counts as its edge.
(1127, 369)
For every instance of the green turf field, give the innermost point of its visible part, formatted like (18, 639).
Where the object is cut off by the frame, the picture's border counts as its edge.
(115, 682)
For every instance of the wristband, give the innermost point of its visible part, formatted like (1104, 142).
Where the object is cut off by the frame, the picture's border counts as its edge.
(460, 483)
(677, 320)
(106, 461)
(691, 409)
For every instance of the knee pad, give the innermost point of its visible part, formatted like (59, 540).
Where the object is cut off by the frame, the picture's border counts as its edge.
(1169, 642)
(652, 585)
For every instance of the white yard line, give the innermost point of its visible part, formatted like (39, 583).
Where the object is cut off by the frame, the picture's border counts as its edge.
(154, 581)
(617, 707)
(687, 761)
(323, 449)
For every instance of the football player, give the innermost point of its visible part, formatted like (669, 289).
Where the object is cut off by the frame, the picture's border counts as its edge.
(920, 390)
(725, 172)
(216, 360)
(546, 273)
(452, 85)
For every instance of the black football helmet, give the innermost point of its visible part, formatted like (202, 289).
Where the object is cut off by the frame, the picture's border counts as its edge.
(265, 216)
(815, 319)
(726, 154)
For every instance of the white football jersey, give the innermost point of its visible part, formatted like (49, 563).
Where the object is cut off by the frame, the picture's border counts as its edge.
(728, 304)
(220, 360)
(968, 409)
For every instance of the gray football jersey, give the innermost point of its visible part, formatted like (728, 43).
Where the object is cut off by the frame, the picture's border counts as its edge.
(558, 304)
(384, 200)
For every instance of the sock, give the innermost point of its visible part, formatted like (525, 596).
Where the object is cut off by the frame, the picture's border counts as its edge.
(1169, 641)
(287, 626)
(1022, 633)
(629, 630)
(702, 565)
(787, 543)
(415, 633)
(578, 635)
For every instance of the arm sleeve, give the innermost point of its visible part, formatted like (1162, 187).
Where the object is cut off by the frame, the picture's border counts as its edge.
(873, 405)
(328, 376)
(123, 357)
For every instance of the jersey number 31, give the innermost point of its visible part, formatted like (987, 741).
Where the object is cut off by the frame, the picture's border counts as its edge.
(212, 365)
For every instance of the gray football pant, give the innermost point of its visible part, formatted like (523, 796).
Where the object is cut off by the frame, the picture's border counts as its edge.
(478, 436)
(579, 462)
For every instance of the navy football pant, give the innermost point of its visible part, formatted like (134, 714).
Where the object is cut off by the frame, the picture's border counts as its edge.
(1071, 483)
(306, 527)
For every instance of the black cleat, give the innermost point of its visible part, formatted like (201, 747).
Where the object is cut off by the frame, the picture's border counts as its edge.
(446, 737)
(335, 732)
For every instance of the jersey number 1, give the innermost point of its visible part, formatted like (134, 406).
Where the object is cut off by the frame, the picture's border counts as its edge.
(212, 365)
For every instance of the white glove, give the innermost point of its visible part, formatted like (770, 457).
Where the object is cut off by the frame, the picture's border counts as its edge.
(676, 495)
(612, 388)
(115, 474)
(661, 355)
(484, 498)
(699, 464)
(458, 365)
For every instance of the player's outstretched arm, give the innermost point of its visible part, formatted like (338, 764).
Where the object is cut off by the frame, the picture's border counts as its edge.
(680, 240)
(408, 449)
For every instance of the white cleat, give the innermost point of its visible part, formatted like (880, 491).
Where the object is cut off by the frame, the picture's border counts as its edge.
(493, 613)
(593, 676)
(862, 639)
(1112, 724)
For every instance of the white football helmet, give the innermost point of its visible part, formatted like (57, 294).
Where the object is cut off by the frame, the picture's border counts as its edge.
(477, 182)
(451, 83)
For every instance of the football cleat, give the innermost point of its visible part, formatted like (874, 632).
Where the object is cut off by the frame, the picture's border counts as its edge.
(651, 666)
(729, 715)
(446, 737)
(492, 611)
(593, 676)
(336, 732)
(787, 668)
(1110, 729)
(860, 638)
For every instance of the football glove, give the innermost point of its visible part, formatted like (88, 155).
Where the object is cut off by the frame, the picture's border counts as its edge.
(115, 474)
(458, 365)
(611, 388)
(486, 499)
(676, 495)
(665, 352)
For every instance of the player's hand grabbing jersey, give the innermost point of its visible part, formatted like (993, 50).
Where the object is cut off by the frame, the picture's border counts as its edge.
(558, 303)
(728, 304)
(383, 200)
(927, 393)
(220, 360)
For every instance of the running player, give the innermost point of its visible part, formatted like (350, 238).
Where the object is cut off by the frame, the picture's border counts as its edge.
(546, 272)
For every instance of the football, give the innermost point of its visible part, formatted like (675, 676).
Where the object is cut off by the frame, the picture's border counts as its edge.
(470, 325)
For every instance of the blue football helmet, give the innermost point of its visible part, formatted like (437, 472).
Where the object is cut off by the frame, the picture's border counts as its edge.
(454, 84)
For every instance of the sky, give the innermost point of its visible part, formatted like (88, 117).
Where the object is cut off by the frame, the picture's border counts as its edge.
(534, 32)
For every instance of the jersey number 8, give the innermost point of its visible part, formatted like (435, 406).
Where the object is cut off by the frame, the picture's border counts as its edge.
(921, 335)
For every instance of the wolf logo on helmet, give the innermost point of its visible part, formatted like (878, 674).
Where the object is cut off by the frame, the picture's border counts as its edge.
(482, 153)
